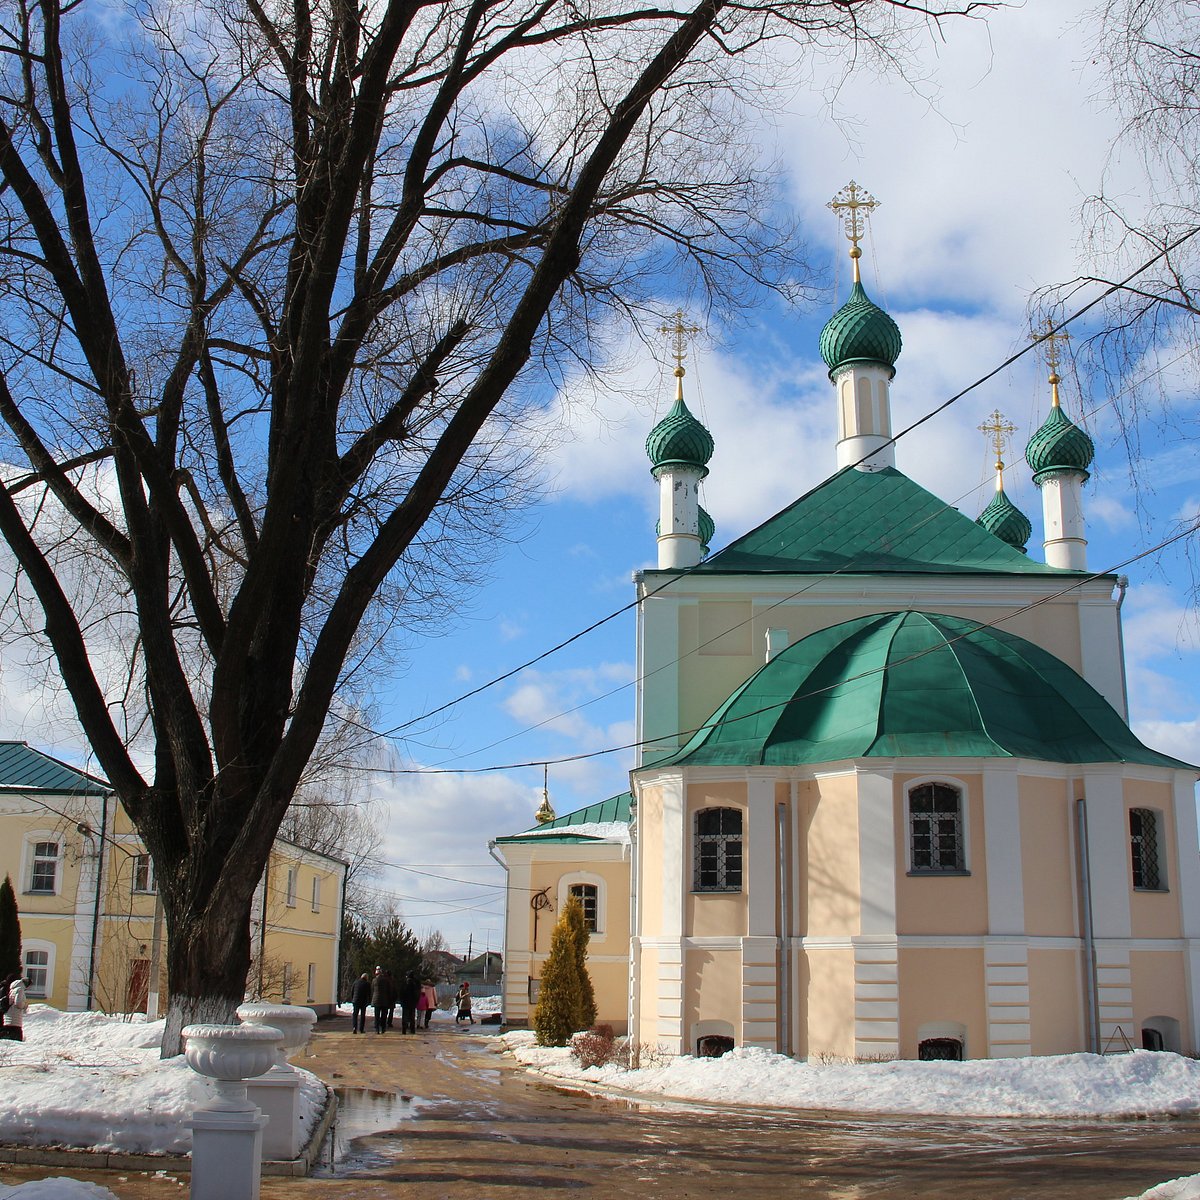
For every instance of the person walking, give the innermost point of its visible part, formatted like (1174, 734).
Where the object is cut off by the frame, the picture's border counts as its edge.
(423, 1007)
(360, 997)
(429, 992)
(17, 1004)
(409, 996)
(381, 998)
(463, 1001)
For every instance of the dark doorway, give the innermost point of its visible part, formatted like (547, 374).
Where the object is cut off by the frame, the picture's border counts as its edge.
(713, 1046)
(940, 1050)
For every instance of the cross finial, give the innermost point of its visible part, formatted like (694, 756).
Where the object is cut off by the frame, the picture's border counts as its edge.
(1051, 338)
(679, 332)
(998, 430)
(852, 206)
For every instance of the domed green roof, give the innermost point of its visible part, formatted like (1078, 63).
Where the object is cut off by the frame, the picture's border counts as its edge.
(860, 331)
(679, 439)
(1060, 445)
(914, 684)
(708, 529)
(1003, 518)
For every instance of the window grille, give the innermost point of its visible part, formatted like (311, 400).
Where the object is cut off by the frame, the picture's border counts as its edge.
(1143, 845)
(935, 828)
(589, 900)
(44, 877)
(718, 850)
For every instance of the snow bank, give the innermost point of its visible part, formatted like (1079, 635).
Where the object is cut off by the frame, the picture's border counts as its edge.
(58, 1188)
(91, 1080)
(1067, 1085)
(1186, 1187)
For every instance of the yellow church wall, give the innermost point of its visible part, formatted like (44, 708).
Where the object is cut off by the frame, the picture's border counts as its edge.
(943, 904)
(1047, 854)
(831, 882)
(713, 914)
(1155, 914)
(717, 653)
(712, 990)
(942, 986)
(826, 997)
(1056, 1020)
(650, 857)
(1159, 990)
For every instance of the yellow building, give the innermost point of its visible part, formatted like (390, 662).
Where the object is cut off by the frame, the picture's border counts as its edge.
(91, 925)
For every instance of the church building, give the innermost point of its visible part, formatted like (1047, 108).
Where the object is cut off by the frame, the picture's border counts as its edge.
(888, 802)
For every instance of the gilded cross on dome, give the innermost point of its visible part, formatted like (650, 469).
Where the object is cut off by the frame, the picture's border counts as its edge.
(999, 430)
(852, 206)
(1051, 338)
(679, 332)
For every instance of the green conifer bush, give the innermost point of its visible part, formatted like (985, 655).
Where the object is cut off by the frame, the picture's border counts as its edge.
(10, 931)
(565, 1000)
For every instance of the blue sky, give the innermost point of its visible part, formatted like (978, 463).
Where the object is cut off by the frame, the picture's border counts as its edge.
(981, 171)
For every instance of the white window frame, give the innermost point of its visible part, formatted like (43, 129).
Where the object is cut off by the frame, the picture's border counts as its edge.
(150, 887)
(312, 983)
(316, 894)
(36, 946)
(30, 859)
(293, 879)
(289, 979)
(566, 882)
(1160, 848)
(964, 809)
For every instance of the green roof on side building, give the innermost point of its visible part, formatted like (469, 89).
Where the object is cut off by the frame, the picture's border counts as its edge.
(868, 523)
(614, 810)
(24, 769)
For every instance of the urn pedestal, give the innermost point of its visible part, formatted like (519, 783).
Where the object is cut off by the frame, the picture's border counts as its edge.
(227, 1134)
(277, 1092)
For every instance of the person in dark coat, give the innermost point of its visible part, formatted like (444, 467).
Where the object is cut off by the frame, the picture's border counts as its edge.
(382, 998)
(360, 997)
(393, 990)
(409, 994)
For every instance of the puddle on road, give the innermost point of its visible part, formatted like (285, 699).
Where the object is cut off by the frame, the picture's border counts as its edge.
(361, 1114)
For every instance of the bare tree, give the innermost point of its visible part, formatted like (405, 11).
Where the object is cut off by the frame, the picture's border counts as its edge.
(1143, 248)
(280, 283)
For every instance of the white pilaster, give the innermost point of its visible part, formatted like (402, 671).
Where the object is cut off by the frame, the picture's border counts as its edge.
(1108, 855)
(1187, 876)
(876, 998)
(760, 992)
(670, 946)
(1002, 848)
(1114, 995)
(669, 997)
(84, 925)
(760, 950)
(876, 955)
(1006, 974)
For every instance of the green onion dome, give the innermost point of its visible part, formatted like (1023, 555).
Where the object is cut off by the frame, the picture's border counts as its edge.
(914, 685)
(708, 529)
(1060, 445)
(1004, 519)
(679, 440)
(860, 331)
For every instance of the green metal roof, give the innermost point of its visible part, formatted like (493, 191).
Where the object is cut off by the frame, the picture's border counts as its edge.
(1059, 445)
(679, 439)
(1006, 521)
(24, 769)
(614, 809)
(860, 331)
(914, 685)
(867, 523)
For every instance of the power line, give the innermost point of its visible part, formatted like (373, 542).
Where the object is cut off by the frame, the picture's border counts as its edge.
(683, 573)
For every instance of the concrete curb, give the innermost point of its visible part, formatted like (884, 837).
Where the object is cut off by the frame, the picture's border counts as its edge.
(176, 1164)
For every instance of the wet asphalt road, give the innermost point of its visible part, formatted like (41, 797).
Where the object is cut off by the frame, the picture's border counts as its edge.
(441, 1116)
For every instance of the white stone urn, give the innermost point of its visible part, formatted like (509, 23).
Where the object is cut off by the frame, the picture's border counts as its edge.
(229, 1055)
(294, 1021)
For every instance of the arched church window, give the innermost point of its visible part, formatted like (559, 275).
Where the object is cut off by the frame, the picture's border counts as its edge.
(718, 850)
(935, 826)
(1146, 850)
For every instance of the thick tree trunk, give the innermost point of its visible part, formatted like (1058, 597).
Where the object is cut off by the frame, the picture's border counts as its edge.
(208, 958)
